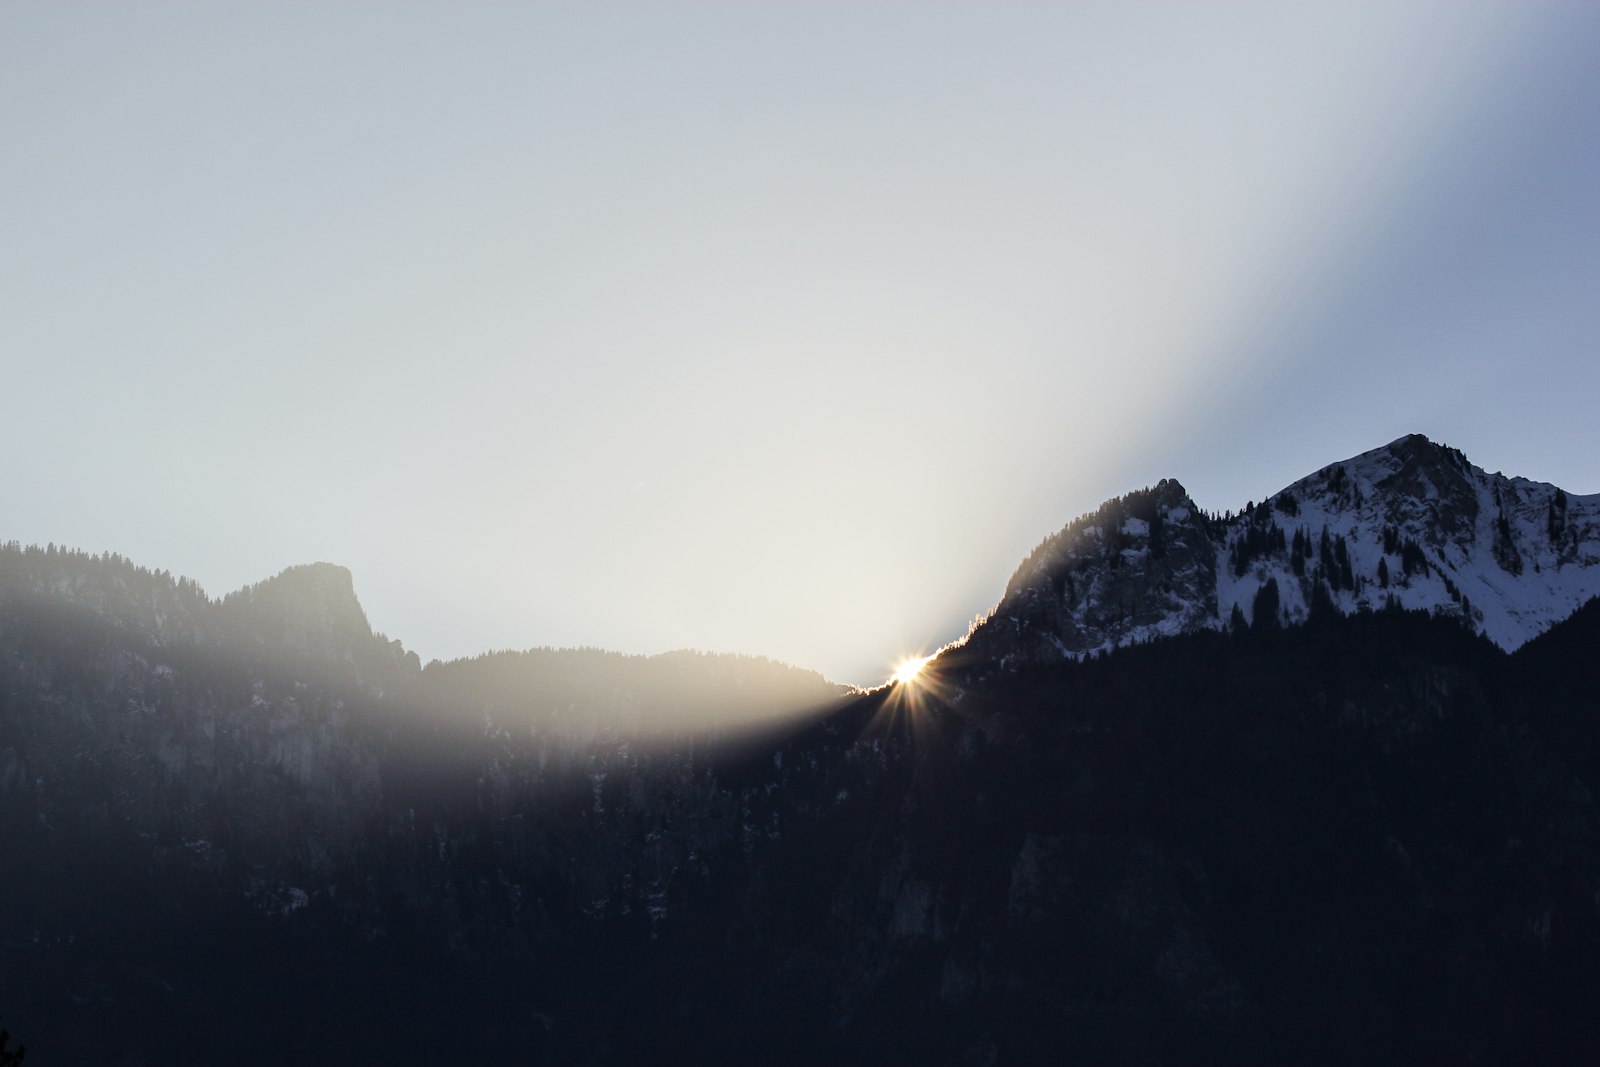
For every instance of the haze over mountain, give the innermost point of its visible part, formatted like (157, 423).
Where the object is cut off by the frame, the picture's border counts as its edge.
(560, 324)
(1121, 822)
(495, 496)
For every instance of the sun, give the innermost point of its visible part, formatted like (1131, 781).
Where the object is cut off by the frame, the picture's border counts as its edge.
(908, 669)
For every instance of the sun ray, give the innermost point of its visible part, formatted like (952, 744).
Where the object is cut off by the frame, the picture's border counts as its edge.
(917, 703)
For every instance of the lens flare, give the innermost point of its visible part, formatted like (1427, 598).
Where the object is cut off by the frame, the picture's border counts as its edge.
(908, 669)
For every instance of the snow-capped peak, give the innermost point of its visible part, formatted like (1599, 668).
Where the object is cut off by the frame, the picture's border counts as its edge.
(1413, 524)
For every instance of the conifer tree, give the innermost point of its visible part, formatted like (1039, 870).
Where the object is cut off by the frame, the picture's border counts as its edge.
(1341, 554)
(1321, 600)
(1264, 610)
(10, 1057)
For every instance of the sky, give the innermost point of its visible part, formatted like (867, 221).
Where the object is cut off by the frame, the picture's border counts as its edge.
(785, 329)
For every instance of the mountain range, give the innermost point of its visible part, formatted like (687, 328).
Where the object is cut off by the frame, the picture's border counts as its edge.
(1412, 524)
(1310, 781)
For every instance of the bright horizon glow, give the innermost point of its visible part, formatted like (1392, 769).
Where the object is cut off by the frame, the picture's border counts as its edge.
(608, 325)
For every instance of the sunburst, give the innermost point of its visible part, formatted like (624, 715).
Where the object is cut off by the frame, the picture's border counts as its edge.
(907, 670)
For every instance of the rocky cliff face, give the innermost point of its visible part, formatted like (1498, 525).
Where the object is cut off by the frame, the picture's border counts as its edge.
(1411, 525)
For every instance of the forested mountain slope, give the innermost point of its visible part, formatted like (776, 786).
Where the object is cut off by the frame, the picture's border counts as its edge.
(1370, 838)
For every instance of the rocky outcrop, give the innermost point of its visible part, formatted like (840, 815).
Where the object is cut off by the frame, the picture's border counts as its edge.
(309, 614)
(1143, 565)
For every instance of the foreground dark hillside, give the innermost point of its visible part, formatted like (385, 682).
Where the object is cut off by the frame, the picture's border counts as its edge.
(1368, 839)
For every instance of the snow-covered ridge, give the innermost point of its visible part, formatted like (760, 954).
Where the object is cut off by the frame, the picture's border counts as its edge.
(1412, 524)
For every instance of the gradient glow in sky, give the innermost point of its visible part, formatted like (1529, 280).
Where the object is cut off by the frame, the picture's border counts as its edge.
(772, 329)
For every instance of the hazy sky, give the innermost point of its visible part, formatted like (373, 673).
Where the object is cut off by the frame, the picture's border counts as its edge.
(760, 328)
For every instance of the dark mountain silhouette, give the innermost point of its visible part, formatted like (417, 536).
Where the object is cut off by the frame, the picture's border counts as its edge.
(253, 831)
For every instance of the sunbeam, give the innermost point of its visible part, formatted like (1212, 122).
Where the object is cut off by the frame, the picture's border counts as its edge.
(908, 669)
